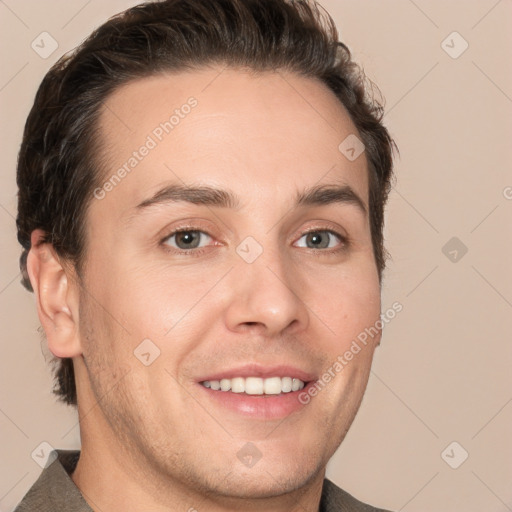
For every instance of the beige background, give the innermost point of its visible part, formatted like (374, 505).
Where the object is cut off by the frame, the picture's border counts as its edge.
(442, 372)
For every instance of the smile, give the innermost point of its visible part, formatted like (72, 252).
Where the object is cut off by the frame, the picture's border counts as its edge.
(256, 385)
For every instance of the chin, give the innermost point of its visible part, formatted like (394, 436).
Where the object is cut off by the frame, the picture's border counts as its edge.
(267, 480)
(261, 486)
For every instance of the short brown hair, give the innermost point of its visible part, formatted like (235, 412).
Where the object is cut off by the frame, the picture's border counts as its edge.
(57, 171)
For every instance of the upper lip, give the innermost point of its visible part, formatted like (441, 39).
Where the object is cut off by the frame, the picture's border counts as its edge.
(263, 371)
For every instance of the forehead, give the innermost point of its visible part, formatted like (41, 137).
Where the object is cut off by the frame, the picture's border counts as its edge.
(258, 133)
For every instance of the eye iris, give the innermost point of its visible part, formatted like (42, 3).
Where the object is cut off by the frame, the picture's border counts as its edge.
(317, 240)
(189, 238)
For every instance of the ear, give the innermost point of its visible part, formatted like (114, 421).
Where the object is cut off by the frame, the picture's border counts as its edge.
(57, 297)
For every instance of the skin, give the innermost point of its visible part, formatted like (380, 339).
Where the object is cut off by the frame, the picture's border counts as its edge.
(151, 439)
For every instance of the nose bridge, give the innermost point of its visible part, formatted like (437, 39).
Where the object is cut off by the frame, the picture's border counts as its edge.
(263, 290)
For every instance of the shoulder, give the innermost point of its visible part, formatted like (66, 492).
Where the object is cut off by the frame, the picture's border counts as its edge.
(335, 499)
(54, 490)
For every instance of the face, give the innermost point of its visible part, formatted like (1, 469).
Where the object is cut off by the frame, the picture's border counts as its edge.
(233, 252)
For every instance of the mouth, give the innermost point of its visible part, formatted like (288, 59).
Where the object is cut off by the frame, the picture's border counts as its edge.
(256, 385)
(258, 392)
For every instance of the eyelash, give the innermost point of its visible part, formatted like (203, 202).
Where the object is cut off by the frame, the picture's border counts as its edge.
(344, 242)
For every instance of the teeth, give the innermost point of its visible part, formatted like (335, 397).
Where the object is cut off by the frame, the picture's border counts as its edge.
(272, 386)
(238, 385)
(286, 383)
(296, 384)
(256, 385)
(225, 384)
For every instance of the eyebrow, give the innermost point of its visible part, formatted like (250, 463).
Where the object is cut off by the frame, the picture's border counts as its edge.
(210, 196)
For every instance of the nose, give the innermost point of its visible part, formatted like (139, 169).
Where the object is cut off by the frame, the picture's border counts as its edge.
(265, 297)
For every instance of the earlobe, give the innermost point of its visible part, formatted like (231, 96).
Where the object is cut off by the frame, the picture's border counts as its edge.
(56, 296)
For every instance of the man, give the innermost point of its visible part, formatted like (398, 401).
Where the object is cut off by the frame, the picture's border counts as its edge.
(201, 195)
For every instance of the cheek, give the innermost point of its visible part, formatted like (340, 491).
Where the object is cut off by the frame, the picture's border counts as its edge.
(167, 305)
(353, 306)
(347, 301)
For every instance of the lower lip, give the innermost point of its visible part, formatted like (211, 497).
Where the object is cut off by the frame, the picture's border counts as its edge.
(267, 407)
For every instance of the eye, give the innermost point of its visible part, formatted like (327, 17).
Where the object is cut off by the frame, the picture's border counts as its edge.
(321, 239)
(187, 239)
